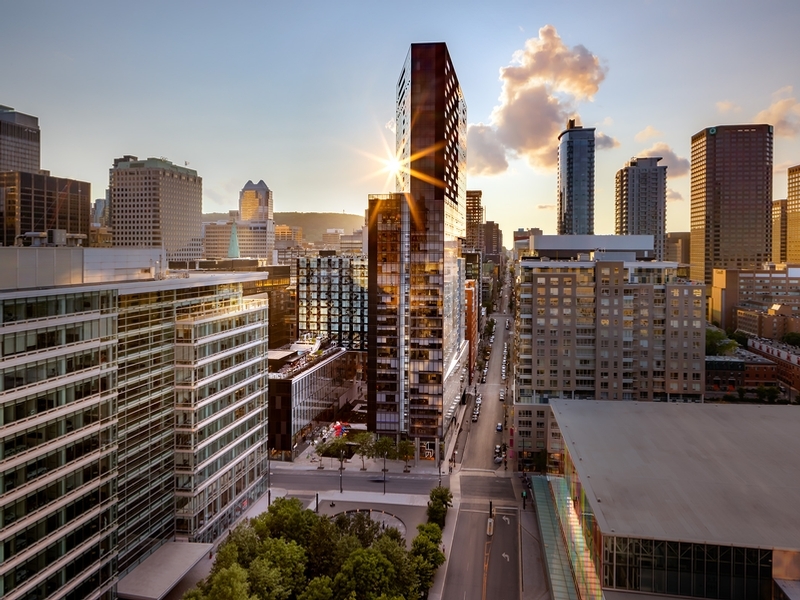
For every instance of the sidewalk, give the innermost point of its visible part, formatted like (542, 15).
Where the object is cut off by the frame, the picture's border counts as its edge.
(308, 459)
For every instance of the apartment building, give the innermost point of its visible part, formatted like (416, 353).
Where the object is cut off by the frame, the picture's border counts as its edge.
(603, 328)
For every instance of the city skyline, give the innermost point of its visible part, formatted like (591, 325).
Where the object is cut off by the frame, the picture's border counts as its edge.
(303, 103)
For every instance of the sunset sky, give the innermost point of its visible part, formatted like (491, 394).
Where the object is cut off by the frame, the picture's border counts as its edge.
(300, 94)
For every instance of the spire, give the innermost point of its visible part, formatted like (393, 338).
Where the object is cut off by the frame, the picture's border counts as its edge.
(233, 246)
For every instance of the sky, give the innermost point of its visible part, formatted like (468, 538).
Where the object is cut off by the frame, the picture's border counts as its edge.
(301, 94)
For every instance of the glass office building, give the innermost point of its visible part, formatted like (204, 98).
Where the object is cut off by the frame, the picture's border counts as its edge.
(576, 180)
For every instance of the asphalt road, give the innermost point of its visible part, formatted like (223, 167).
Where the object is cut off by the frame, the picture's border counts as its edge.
(353, 479)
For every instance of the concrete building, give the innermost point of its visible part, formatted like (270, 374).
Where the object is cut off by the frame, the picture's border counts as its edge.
(332, 299)
(472, 322)
(741, 370)
(641, 201)
(771, 323)
(752, 288)
(416, 342)
(575, 180)
(492, 239)
(354, 243)
(135, 415)
(793, 217)
(662, 501)
(255, 239)
(731, 181)
(602, 329)
(156, 204)
(678, 247)
(20, 141)
(787, 359)
(559, 247)
(332, 239)
(38, 202)
(288, 233)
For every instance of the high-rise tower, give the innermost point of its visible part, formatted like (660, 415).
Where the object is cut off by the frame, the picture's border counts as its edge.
(156, 204)
(641, 201)
(475, 217)
(255, 202)
(20, 148)
(416, 273)
(576, 180)
(731, 198)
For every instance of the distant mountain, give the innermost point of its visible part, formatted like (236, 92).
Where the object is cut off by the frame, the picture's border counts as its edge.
(313, 224)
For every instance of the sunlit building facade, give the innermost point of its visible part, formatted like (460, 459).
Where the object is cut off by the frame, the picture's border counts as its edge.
(20, 141)
(416, 273)
(731, 188)
(793, 216)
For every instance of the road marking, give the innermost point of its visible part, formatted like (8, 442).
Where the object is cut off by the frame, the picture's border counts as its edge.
(504, 555)
(507, 520)
(486, 548)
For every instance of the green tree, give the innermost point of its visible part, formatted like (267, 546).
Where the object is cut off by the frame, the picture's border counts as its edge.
(718, 344)
(319, 588)
(194, 594)
(359, 525)
(321, 550)
(431, 531)
(365, 441)
(440, 500)
(427, 555)
(740, 338)
(741, 392)
(792, 338)
(404, 583)
(247, 543)
(285, 518)
(761, 393)
(230, 584)
(405, 451)
(367, 573)
(384, 446)
(772, 393)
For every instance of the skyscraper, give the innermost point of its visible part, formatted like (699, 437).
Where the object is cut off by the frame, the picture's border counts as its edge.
(731, 188)
(416, 273)
(475, 217)
(793, 216)
(576, 180)
(156, 204)
(20, 148)
(641, 201)
(255, 202)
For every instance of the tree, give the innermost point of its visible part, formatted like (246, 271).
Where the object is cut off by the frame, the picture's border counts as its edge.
(404, 583)
(230, 584)
(319, 588)
(718, 344)
(367, 573)
(792, 338)
(247, 543)
(440, 500)
(384, 447)
(285, 518)
(359, 525)
(740, 338)
(365, 441)
(761, 393)
(321, 550)
(405, 450)
(742, 392)
(773, 393)
(426, 553)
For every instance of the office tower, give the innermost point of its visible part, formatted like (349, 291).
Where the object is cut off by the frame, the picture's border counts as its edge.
(576, 180)
(256, 202)
(793, 217)
(416, 273)
(156, 204)
(641, 201)
(731, 187)
(332, 299)
(677, 247)
(20, 148)
(475, 217)
(33, 203)
(779, 231)
(492, 238)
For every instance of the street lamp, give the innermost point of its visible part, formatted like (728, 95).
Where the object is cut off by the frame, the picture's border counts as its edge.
(341, 469)
(384, 473)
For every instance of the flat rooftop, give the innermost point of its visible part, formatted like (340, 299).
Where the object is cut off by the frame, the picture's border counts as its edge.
(702, 473)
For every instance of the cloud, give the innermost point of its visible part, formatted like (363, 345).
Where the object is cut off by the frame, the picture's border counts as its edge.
(674, 196)
(783, 113)
(647, 133)
(391, 125)
(603, 141)
(676, 166)
(486, 155)
(540, 91)
(546, 207)
(726, 106)
(783, 167)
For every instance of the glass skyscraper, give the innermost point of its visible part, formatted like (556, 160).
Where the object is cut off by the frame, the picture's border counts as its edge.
(576, 180)
(416, 273)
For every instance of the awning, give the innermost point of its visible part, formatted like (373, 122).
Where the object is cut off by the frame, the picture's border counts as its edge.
(161, 571)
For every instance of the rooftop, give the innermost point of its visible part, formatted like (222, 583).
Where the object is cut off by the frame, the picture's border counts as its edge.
(702, 473)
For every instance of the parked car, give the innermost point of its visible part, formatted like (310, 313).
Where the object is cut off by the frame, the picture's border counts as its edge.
(499, 427)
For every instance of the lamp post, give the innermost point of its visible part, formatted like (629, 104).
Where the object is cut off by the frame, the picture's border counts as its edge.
(341, 469)
(384, 473)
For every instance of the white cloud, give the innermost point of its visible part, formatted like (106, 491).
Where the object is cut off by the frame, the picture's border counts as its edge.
(674, 196)
(676, 166)
(541, 89)
(726, 106)
(603, 141)
(783, 113)
(546, 207)
(647, 133)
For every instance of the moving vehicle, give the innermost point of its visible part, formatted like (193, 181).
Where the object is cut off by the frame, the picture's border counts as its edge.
(499, 427)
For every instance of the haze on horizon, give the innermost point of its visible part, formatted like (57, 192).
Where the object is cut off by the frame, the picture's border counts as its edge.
(302, 95)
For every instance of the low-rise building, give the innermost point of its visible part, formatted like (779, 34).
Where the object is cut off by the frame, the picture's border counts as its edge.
(787, 359)
(741, 370)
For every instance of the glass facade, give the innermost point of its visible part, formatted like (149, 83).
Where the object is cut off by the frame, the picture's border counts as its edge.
(654, 566)
(332, 299)
(576, 180)
(415, 239)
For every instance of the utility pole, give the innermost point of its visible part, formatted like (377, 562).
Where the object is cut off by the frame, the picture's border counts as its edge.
(341, 469)
(384, 473)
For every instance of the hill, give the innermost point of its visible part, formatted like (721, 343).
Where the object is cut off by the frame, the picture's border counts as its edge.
(313, 224)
